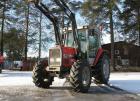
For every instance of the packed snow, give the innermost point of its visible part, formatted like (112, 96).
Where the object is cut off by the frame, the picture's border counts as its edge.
(20, 78)
(15, 78)
(126, 81)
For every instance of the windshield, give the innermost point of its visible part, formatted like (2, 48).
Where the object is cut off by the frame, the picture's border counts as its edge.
(81, 37)
(83, 40)
(69, 40)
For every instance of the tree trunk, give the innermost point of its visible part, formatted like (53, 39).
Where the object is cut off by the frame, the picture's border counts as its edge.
(2, 27)
(40, 34)
(112, 41)
(26, 32)
(138, 26)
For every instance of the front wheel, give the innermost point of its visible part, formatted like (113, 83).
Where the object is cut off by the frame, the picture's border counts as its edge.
(41, 77)
(80, 76)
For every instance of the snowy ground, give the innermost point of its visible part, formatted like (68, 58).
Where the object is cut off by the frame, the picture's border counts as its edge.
(126, 81)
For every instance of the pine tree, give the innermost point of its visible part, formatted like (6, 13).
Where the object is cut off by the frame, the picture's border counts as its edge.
(40, 34)
(2, 26)
(131, 18)
(14, 41)
(22, 11)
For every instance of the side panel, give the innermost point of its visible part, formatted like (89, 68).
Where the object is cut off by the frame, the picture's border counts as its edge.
(99, 54)
(68, 56)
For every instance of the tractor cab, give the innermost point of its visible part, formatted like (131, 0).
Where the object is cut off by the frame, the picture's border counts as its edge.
(89, 40)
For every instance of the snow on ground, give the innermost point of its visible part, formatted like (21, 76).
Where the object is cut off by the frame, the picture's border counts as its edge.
(15, 78)
(127, 81)
(19, 78)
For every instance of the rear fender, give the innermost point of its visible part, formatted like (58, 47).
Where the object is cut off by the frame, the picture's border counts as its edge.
(99, 55)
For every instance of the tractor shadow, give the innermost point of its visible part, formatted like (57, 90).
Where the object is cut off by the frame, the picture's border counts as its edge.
(94, 89)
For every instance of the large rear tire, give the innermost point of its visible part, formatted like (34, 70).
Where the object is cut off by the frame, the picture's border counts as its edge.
(102, 72)
(41, 77)
(80, 76)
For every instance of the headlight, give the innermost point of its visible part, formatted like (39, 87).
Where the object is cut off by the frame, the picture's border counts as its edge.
(58, 59)
(51, 59)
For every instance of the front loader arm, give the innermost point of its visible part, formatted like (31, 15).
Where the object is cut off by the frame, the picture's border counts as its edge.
(44, 9)
(71, 16)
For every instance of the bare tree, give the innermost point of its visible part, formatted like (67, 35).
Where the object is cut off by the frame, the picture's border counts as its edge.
(2, 27)
(40, 34)
(27, 30)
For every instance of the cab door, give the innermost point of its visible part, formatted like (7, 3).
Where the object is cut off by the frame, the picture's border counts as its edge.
(93, 45)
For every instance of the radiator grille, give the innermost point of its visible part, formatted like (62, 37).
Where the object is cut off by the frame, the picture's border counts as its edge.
(55, 57)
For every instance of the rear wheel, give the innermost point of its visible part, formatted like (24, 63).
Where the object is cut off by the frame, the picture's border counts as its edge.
(41, 77)
(80, 76)
(102, 70)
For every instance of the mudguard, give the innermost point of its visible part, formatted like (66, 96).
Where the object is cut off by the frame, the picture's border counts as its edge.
(99, 55)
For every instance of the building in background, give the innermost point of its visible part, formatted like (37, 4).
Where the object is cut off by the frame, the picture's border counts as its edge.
(20, 64)
(126, 54)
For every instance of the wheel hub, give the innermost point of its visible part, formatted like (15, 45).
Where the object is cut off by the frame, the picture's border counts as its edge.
(106, 69)
(85, 76)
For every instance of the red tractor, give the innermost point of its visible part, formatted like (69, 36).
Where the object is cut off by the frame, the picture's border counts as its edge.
(77, 56)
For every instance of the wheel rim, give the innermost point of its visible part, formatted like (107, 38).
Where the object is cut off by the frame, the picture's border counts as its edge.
(106, 69)
(85, 76)
(46, 78)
